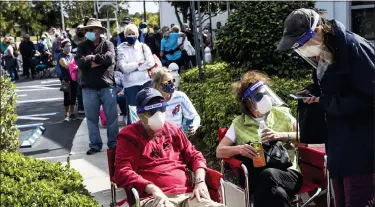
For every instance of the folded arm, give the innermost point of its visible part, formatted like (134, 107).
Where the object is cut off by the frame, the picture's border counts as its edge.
(125, 66)
(107, 59)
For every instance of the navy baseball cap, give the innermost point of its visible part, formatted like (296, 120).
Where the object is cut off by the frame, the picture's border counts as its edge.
(297, 24)
(145, 95)
(126, 20)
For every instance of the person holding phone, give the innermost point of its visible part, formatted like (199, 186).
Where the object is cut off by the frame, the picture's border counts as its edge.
(344, 89)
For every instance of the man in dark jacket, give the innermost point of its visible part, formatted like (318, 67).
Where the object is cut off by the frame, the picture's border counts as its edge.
(344, 89)
(96, 59)
(27, 50)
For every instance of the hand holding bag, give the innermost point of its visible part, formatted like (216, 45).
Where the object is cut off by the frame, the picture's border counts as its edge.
(65, 86)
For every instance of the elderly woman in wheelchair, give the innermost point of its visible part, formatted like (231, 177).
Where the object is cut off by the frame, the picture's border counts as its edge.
(263, 138)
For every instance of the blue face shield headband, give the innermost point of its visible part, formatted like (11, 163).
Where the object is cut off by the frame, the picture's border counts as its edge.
(153, 108)
(253, 91)
(307, 35)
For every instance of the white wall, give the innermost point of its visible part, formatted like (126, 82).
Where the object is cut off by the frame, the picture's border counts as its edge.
(339, 11)
(168, 17)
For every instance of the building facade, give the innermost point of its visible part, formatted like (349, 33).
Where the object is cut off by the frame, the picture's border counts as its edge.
(357, 16)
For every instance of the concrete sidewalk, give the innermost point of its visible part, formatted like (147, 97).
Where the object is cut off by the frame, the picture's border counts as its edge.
(93, 168)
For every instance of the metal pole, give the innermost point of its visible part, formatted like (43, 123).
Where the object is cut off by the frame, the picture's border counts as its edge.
(108, 25)
(201, 30)
(228, 8)
(144, 11)
(209, 12)
(197, 48)
(62, 16)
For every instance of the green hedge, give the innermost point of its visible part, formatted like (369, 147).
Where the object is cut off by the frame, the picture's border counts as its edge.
(216, 104)
(8, 116)
(251, 36)
(30, 182)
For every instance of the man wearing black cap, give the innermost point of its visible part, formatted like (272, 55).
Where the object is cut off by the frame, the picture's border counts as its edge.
(343, 94)
(152, 156)
(121, 36)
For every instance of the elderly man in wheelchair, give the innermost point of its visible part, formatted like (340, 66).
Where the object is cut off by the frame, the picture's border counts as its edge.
(152, 156)
(263, 139)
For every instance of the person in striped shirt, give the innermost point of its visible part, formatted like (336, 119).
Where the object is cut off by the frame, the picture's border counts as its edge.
(180, 109)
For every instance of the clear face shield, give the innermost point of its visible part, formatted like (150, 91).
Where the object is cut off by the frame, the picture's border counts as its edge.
(262, 97)
(310, 52)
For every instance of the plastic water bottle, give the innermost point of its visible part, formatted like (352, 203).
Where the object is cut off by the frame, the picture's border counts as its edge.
(262, 126)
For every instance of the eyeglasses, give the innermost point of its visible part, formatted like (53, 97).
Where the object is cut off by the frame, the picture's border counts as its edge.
(169, 81)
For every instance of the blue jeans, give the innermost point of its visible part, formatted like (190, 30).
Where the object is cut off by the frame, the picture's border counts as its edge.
(130, 96)
(92, 99)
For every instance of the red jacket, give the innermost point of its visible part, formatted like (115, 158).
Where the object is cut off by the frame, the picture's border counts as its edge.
(141, 160)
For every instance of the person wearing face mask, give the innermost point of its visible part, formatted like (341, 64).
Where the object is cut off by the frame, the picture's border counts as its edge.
(95, 59)
(78, 38)
(134, 59)
(161, 178)
(343, 90)
(263, 120)
(180, 110)
(69, 97)
(142, 32)
(170, 48)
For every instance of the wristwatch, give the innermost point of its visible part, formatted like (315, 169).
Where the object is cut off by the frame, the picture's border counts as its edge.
(198, 180)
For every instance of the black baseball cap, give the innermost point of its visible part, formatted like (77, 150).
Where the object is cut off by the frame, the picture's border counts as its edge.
(296, 24)
(145, 95)
(126, 20)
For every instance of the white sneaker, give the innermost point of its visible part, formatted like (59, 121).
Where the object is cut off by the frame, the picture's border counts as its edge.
(67, 119)
(81, 112)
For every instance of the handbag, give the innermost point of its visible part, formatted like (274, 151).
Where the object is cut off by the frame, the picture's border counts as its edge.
(276, 155)
(156, 59)
(312, 126)
(65, 86)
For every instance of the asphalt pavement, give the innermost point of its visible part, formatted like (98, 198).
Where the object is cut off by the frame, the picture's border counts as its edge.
(41, 103)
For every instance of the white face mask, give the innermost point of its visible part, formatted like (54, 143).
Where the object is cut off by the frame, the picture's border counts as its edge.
(156, 121)
(144, 30)
(264, 105)
(311, 51)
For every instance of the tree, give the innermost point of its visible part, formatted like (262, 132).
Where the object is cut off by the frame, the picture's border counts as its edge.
(250, 38)
(184, 8)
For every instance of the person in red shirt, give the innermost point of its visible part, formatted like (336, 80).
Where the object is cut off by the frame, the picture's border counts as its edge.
(152, 156)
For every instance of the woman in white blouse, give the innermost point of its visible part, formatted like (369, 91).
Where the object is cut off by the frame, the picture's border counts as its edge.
(134, 59)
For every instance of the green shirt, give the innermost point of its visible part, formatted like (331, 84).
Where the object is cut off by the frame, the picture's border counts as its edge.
(279, 120)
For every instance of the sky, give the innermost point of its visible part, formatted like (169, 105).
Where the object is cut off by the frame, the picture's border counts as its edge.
(138, 7)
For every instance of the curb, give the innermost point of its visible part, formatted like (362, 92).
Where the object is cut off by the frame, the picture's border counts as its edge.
(35, 135)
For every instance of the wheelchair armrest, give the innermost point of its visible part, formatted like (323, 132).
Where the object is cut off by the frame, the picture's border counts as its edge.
(233, 162)
(213, 178)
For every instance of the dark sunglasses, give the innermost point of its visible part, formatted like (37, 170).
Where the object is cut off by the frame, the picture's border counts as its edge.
(169, 82)
(90, 29)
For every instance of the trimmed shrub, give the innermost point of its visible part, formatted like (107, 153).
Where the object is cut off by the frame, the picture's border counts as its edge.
(8, 116)
(27, 181)
(251, 36)
(216, 104)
